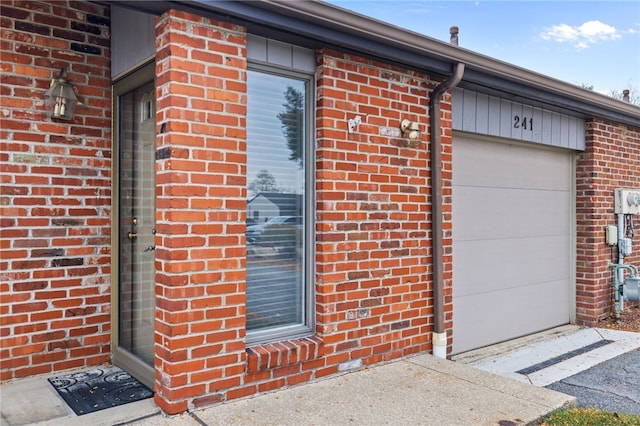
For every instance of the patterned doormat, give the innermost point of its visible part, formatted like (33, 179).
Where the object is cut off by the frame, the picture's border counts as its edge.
(99, 388)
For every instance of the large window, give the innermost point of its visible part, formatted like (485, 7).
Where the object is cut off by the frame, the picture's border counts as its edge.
(279, 242)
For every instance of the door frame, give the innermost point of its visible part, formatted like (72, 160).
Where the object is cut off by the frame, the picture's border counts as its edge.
(120, 356)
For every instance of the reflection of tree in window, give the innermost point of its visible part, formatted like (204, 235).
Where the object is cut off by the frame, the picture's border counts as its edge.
(291, 119)
(278, 282)
(264, 182)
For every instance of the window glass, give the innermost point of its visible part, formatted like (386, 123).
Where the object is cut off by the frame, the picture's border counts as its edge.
(276, 213)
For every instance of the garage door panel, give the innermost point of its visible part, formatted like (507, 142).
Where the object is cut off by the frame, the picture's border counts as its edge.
(481, 213)
(512, 259)
(518, 166)
(489, 318)
(502, 264)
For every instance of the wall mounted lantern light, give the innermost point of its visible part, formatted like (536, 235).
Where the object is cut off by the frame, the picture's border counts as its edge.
(60, 100)
(410, 127)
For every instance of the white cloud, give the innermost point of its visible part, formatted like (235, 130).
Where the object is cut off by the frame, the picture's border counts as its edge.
(561, 33)
(581, 36)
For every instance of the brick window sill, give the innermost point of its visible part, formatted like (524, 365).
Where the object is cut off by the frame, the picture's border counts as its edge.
(281, 354)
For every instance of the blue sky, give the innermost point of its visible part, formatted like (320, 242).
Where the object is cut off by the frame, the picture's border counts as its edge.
(581, 42)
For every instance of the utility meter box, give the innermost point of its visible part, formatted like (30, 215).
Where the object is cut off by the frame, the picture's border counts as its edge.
(627, 201)
(625, 246)
(632, 290)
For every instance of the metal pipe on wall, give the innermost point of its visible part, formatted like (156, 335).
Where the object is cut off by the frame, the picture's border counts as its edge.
(619, 300)
(439, 335)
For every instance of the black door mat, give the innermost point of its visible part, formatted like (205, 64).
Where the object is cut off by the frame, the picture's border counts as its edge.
(99, 388)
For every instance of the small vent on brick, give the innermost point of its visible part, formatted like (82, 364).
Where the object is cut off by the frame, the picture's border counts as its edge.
(350, 365)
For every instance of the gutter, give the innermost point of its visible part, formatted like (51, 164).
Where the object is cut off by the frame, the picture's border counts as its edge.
(439, 334)
(316, 23)
(419, 46)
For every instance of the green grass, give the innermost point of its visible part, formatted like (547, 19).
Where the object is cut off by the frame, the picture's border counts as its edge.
(589, 417)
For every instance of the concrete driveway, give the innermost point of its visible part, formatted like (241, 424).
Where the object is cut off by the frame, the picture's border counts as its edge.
(600, 367)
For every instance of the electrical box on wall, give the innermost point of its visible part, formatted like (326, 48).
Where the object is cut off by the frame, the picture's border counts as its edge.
(611, 235)
(627, 201)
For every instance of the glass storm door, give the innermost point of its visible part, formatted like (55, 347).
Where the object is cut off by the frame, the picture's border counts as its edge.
(134, 201)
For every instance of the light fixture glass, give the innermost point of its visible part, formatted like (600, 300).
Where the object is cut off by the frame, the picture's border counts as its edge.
(60, 100)
(410, 127)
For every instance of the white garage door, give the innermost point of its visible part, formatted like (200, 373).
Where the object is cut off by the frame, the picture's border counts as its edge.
(511, 241)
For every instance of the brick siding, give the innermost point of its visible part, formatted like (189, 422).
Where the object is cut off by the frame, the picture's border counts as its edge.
(373, 284)
(611, 160)
(200, 211)
(372, 263)
(56, 189)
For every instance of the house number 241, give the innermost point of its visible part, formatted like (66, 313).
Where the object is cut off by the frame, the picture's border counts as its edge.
(524, 122)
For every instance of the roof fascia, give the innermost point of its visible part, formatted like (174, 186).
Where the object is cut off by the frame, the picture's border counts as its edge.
(316, 23)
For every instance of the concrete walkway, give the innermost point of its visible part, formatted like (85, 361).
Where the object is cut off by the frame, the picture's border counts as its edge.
(422, 390)
(483, 387)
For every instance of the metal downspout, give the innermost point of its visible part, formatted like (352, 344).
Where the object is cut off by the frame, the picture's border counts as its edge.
(439, 336)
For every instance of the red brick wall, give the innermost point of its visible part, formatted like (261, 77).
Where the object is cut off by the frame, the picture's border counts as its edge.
(200, 216)
(373, 292)
(373, 210)
(56, 189)
(611, 160)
